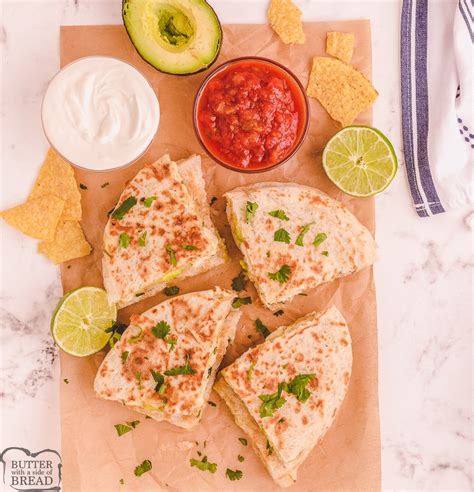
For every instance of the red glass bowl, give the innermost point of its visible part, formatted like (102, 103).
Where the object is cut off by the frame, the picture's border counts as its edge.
(301, 102)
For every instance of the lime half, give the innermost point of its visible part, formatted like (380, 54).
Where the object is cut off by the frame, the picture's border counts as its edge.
(80, 320)
(360, 161)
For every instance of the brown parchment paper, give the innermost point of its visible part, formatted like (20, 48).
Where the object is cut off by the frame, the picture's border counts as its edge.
(94, 457)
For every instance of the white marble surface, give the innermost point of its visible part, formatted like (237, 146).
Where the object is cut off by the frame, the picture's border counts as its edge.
(424, 276)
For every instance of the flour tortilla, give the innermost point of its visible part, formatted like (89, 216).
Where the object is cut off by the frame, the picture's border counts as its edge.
(318, 344)
(349, 246)
(202, 324)
(178, 216)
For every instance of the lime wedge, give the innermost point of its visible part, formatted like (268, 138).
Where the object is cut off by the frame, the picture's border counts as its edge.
(80, 320)
(360, 161)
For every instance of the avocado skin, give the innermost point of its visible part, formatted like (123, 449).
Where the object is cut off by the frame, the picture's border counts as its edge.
(218, 51)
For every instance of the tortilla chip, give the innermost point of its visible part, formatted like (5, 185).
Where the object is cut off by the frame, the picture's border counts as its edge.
(342, 90)
(37, 218)
(56, 177)
(340, 45)
(68, 243)
(285, 19)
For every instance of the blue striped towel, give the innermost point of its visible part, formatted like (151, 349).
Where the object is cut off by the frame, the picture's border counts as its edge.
(437, 105)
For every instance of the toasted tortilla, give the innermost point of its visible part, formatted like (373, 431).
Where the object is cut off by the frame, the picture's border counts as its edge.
(318, 344)
(178, 217)
(347, 247)
(202, 324)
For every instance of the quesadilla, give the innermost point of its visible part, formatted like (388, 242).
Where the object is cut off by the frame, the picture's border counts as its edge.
(285, 393)
(294, 238)
(159, 231)
(165, 363)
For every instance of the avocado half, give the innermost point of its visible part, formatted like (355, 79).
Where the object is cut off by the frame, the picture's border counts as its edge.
(180, 37)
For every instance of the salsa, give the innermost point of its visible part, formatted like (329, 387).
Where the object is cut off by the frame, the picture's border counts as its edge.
(251, 115)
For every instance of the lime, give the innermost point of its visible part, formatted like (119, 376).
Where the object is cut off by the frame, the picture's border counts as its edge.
(360, 161)
(81, 319)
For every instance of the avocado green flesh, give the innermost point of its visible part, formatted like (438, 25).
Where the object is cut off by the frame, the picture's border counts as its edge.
(175, 36)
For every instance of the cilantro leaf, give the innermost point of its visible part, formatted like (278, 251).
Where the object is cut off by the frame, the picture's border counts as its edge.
(238, 283)
(103, 185)
(240, 458)
(297, 386)
(204, 465)
(303, 231)
(241, 301)
(144, 467)
(250, 371)
(320, 237)
(186, 369)
(272, 402)
(122, 429)
(171, 291)
(124, 356)
(133, 423)
(148, 201)
(159, 380)
(211, 403)
(250, 210)
(269, 448)
(279, 214)
(171, 253)
(278, 313)
(189, 247)
(282, 236)
(281, 275)
(142, 239)
(124, 207)
(233, 475)
(82, 186)
(261, 328)
(325, 253)
(243, 441)
(124, 240)
(161, 329)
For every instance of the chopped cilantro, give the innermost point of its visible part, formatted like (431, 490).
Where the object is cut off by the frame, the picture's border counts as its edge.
(325, 253)
(261, 328)
(82, 186)
(171, 253)
(124, 356)
(281, 275)
(250, 371)
(124, 240)
(279, 214)
(204, 465)
(148, 201)
(320, 237)
(171, 291)
(136, 338)
(303, 231)
(159, 380)
(243, 441)
(282, 236)
(161, 329)
(297, 386)
(66, 380)
(241, 301)
(124, 207)
(211, 403)
(238, 283)
(189, 247)
(142, 239)
(279, 312)
(233, 475)
(269, 448)
(186, 369)
(122, 429)
(143, 468)
(106, 252)
(139, 294)
(250, 210)
(272, 402)
(171, 342)
(103, 185)
(240, 458)
(121, 481)
(133, 423)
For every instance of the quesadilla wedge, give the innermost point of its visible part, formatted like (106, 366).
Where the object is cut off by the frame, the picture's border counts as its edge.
(294, 238)
(165, 363)
(285, 393)
(159, 231)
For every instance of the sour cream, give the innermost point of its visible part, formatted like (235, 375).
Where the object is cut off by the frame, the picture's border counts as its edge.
(100, 113)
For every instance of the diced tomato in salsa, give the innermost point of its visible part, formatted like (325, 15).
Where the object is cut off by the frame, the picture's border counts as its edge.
(249, 115)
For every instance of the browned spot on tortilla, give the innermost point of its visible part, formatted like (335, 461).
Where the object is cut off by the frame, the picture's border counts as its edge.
(344, 342)
(305, 420)
(347, 377)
